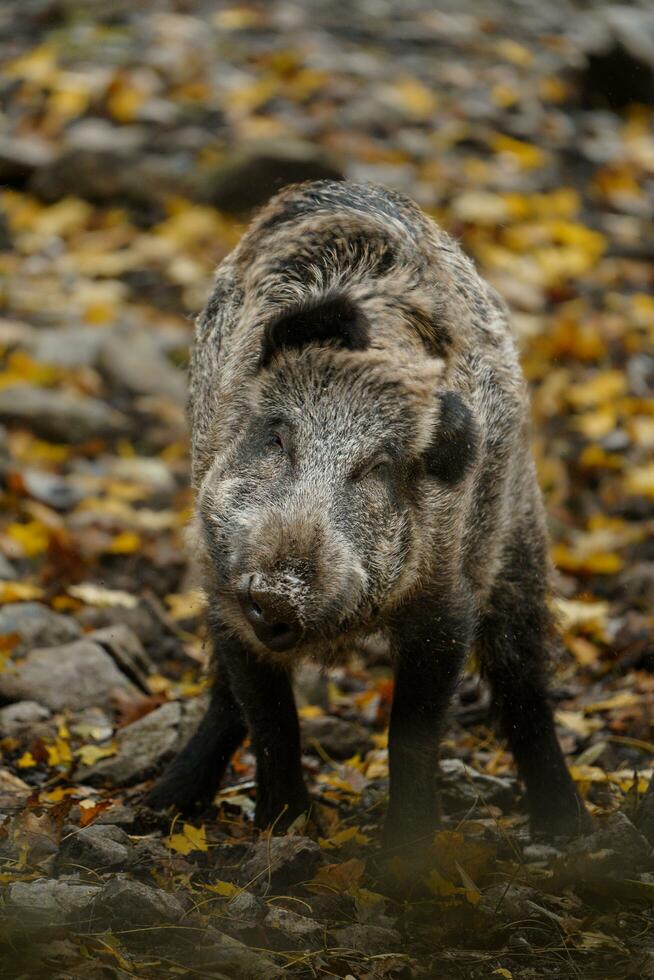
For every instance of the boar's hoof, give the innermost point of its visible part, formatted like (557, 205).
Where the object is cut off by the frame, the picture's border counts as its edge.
(569, 822)
(167, 793)
(279, 816)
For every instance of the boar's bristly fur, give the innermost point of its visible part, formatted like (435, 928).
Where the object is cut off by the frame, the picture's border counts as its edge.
(361, 464)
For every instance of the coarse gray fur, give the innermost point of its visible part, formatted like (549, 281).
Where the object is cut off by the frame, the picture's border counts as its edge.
(436, 325)
(362, 466)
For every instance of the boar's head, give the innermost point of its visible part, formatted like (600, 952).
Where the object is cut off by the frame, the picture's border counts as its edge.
(316, 517)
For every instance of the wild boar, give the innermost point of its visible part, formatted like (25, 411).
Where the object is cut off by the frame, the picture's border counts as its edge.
(361, 462)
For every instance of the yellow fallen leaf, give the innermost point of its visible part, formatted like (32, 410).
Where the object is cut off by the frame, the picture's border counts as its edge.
(57, 794)
(597, 423)
(623, 699)
(191, 839)
(97, 595)
(237, 18)
(415, 98)
(339, 878)
(186, 605)
(510, 50)
(19, 592)
(125, 543)
(440, 887)
(601, 388)
(585, 653)
(90, 754)
(124, 103)
(639, 480)
(68, 102)
(600, 563)
(38, 65)
(26, 761)
(343, 837)
(577, 723)
(452, 851)
(526, 155)
(572, 613)
(21, 367)
(311, 711)
(223, 888)
(59, 753)
(32, 537)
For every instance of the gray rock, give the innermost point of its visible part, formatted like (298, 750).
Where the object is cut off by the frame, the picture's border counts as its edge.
(311, 686)
(59, 415)
(123, 902)
(645, 814)
(147, 470)
(542, 853)
(279, 862)
(247, 907)
(368, 940)
(101, 162)
(13, 791)
(96, 848)
(618, 837)
(76, 675)
(636, 584)
(50, 902)
(67, 346)
(252, 175)
(16, 333)
(124, 646)
(22, 156)
(288, 930)
(36, 625)
(142, 747)
(134, 361)
(149, 853)
(193, 711)
(222, 956)
(92, 724)
(462, 786)
(7, 570)
(509, 900)
(338, 738)
(22, 715)
(56, 491)
(141, 619)
(118, 815)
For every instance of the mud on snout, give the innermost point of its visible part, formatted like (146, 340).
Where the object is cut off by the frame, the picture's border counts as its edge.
(290, 579)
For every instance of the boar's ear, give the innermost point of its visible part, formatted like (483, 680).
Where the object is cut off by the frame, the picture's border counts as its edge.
(331, 318)
(455, 440)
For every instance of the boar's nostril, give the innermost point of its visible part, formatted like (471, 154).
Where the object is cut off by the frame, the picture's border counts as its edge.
(271, 617)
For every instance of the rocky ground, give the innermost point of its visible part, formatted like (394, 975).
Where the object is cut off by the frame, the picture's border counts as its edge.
(135, 139)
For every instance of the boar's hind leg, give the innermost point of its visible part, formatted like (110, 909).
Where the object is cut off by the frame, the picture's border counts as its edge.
(193, 777)
(515, 638)
(431, 650)
(266, 696)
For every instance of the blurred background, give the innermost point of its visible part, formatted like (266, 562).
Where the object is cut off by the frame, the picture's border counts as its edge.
(136, 138)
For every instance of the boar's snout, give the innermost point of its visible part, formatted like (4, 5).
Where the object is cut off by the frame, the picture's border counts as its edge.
(273, 619)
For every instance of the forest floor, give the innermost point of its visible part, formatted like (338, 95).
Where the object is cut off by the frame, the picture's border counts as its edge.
(135, 140)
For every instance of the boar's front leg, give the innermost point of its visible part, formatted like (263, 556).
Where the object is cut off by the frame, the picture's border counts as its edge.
(432, 643)
(265, 694)
(193, 777)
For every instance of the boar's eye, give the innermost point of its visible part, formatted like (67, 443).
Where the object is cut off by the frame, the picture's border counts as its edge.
(379, 467)
(275, 441)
